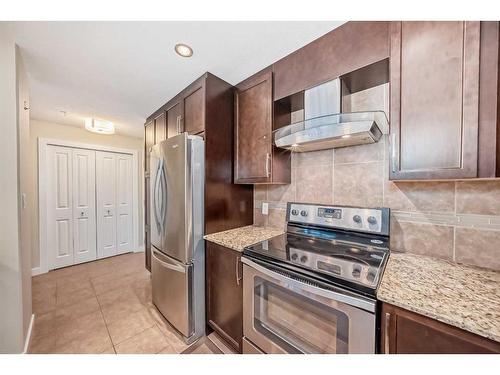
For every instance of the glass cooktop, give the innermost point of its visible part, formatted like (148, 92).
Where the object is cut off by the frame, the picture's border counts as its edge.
(342, 258)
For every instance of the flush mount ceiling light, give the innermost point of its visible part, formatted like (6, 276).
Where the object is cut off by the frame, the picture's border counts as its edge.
(99, 126)
(183, 50)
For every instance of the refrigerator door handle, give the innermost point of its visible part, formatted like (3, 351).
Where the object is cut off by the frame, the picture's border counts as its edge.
(163, 185)
(155, 197)
(170, 265)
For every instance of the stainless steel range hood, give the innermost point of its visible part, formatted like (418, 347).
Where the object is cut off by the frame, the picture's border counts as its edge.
(325, 127)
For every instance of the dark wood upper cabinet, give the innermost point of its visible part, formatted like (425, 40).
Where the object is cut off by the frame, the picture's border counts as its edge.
(256, 159)
(404, 332)
(435, 116)
(160, 127)
(344, 49)
(206, 108)
(224, 293)
(194, 109)
(174, 119)
(253, 118)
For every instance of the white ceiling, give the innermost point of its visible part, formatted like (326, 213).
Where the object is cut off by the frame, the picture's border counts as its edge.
(123, 71)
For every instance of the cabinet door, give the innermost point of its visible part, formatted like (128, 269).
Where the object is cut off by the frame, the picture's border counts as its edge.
(160, 127)
(84, 218)
(349, 47)
(106, 203)
(434, 74)
(194, 110)
(174, 120)
(149, 137)
(404, 332)
(253, 125)
(224, 293)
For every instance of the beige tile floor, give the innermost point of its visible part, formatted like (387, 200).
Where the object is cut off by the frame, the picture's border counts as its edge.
(101, 307)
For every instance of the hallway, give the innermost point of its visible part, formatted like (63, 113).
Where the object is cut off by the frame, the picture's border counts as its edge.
(101, 307)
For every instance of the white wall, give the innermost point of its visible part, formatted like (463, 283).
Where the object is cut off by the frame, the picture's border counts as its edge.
(24, 208)
(12, 332)
(43, 129)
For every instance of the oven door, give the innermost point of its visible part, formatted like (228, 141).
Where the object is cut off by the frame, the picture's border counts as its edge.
(284, 313)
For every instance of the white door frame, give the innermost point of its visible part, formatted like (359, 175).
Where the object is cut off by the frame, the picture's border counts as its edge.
(43, 144)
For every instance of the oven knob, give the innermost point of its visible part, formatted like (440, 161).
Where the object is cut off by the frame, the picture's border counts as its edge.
(370, 276)
(295, 212)
(356, 271)
(303, 259)
(372, 220)
(294, 256)
(356, 219)
(303, 213)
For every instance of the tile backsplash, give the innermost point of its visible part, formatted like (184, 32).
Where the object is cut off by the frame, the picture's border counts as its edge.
(453, 220)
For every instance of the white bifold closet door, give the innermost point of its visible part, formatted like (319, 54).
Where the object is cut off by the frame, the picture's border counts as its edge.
(114, 203)
(84, 205)
(71, 235)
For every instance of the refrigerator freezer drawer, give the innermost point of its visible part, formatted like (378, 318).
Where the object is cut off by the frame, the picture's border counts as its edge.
(172, 291)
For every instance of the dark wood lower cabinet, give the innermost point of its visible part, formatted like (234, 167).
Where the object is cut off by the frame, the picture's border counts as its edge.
(224, 293)
(405, 332)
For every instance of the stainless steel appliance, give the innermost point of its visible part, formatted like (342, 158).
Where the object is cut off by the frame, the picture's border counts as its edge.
(312, 289)
(177, 252)
(325, 126)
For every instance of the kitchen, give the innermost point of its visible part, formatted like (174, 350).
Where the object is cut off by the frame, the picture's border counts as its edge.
(322, 157)
(340, 198)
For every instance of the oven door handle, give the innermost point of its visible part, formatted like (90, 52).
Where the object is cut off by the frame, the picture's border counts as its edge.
(358, 302)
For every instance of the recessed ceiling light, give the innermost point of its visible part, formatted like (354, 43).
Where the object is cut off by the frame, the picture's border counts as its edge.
(183, 50)
(99, 126)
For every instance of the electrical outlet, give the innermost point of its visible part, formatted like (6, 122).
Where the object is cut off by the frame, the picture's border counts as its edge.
(265, 208)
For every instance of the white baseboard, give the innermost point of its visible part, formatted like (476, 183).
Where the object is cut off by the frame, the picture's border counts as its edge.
(37, 271)
(28, 336)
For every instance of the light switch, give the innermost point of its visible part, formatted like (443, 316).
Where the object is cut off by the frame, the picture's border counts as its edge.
(265, 208)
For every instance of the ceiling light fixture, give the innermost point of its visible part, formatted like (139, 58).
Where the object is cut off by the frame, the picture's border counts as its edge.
(99, 126)
(183, 50)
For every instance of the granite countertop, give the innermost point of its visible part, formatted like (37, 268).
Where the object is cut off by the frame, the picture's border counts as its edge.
(462, 296)
(239, 238)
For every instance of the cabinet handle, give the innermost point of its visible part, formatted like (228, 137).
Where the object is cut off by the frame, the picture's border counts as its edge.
(393, 152)
(179, 124)
(386, 332)
(268, 159)
(238, 278)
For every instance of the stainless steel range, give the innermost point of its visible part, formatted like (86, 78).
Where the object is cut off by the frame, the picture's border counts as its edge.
(312, 289)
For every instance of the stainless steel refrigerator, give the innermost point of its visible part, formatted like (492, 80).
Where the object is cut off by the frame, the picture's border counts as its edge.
(177, 251)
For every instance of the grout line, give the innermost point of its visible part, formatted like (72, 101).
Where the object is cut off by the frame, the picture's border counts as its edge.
(333, 176)
(455, 228)
(454, 243)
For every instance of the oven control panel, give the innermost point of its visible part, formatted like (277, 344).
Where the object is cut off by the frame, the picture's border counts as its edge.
(346, 269)
(369, 220)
